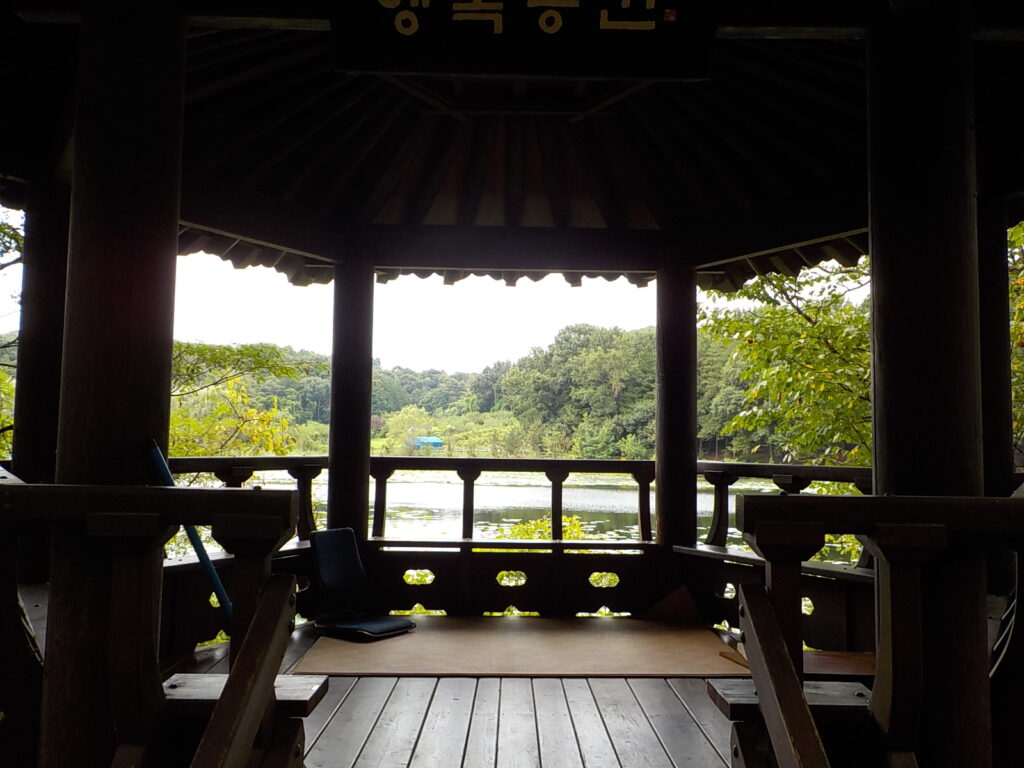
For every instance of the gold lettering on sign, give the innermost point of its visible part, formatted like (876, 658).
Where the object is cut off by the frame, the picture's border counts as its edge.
(480, 10)
(642, 26)
(550, 21)
(406, 22)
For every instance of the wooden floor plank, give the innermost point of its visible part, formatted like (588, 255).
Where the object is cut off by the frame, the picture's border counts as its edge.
(693, 693)
(680, 735)
(591, 735)
(482, 741)
(394, 737)
(517, 725)
(344, 736)
(338, 689)
(635, 741)
(555, 732)
(302, 640)
(443, 736)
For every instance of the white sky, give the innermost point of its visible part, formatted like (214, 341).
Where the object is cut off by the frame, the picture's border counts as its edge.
(418, 323)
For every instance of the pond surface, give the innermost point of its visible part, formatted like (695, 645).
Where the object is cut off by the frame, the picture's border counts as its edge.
(428, 505)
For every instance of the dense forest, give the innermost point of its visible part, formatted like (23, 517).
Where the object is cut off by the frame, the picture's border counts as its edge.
(783, 375)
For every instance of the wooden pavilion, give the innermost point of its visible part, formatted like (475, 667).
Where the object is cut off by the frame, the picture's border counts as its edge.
(695, 144)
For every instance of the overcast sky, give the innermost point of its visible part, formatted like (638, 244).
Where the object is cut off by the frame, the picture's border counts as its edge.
(418, 323)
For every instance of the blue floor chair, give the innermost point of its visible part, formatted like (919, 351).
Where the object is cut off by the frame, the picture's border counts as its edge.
(337, 580)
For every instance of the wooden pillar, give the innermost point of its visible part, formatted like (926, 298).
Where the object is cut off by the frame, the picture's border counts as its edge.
(994, 301)
(676, 415)
(924, 267)
(115, 389)
(41, 336)
(348, 480)
(927, 383)
(40, 341)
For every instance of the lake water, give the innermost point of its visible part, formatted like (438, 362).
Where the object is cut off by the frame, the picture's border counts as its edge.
(428, 505)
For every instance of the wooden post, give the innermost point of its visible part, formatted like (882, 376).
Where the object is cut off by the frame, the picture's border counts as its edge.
(924, 267)
(993, 287)
(41, 335)
(348, 480)
(304, 476)
(380, 500)
(927, 385)
(557, 478)
(40, 339)
(115, 390)
(468, 476)
(718, 532)
(676, 484)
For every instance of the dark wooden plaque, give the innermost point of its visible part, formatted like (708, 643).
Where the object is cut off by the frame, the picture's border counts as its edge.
(600, 39)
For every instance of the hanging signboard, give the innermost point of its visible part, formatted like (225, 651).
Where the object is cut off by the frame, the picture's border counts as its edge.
(603, 39)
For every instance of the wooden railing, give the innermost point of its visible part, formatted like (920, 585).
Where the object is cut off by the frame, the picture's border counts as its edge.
(931, 696)
(788, 478)
(123, 528)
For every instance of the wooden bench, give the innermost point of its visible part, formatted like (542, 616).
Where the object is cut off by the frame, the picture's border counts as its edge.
(195, 695)
(737, 699)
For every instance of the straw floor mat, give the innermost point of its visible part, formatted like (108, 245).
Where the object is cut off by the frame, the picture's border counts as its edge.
(528, 647)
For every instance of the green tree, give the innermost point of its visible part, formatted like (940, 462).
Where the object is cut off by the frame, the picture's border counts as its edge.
(212, 413)
(387, 394)
(805, 354)
(11, 244)
(1015, 261)
(411, 421)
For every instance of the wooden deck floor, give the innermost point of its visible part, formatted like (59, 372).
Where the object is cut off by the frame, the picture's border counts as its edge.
(450, 722)
(464, 722)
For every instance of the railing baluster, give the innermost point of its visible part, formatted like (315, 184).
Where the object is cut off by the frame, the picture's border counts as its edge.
(790, 483)
(233, 476)
(380, 474)
(304, 475)
(468, 476)
(718, 532)
(789, 479)
(557, 478)
(643, 481)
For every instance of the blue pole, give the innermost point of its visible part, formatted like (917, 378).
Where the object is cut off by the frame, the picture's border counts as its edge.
(160, 463)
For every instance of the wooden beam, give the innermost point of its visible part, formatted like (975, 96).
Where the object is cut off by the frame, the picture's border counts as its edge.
(969, 518)
(70, 505)
(211, 205)
(795, 739)
(523, 249)
(750, 19)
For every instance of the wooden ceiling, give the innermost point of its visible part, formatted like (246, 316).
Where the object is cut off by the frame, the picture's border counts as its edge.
(291, 164)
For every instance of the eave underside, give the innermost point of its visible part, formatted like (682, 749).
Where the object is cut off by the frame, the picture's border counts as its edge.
(292, 165)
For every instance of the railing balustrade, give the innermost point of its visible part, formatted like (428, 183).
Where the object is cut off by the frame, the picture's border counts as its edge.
(788, 478)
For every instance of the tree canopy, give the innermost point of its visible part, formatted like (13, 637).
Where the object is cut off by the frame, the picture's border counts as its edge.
(801, 347)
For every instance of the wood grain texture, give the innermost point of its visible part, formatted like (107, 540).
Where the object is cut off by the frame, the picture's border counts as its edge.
(555, 731)
(342, 740)
(636, 743)
(518, 746)
(482, 740)
(693, 693)
(394, 736)
(442, 739)
(680, 735)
